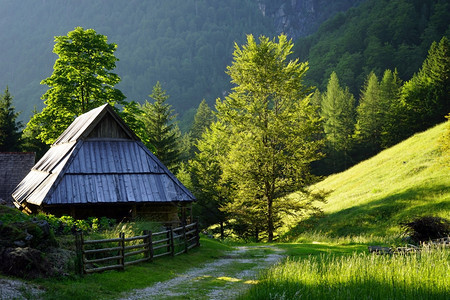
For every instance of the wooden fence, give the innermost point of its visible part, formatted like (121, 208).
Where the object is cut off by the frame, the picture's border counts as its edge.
(116, 254)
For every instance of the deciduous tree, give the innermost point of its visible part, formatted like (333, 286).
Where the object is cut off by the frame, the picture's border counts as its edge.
(273, 133)
(81, 80)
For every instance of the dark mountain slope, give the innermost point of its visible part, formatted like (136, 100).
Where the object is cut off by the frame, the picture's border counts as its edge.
(376, 35)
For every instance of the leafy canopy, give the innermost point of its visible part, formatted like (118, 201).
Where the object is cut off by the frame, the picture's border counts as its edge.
(272, 131)
(81, 80)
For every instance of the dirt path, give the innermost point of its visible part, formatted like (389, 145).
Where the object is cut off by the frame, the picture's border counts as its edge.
(16, 289)
(222, 279)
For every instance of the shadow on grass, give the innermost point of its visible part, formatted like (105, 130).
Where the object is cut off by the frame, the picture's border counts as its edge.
(378, 216)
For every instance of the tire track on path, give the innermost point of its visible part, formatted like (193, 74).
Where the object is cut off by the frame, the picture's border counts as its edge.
(224, 278)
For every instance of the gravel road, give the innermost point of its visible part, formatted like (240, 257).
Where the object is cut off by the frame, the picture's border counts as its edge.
(223, 279)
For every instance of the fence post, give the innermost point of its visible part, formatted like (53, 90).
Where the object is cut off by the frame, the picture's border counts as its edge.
(147, 248)
(197, 234)
(150, 244)
(168, 238)
(79, 251)
(172, 244)
(185, 239)
(122, 251)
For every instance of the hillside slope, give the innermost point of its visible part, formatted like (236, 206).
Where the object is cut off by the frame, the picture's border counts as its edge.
(373, 197)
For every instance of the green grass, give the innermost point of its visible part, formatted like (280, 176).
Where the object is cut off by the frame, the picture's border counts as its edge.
(357, 276)
(110, 284)
(406, 181)
(367, 202)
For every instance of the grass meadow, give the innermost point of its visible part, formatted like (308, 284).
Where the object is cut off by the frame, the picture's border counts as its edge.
(360, 275)
(328, 256)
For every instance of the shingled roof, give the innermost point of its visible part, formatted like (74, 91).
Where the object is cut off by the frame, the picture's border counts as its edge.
(98, 159)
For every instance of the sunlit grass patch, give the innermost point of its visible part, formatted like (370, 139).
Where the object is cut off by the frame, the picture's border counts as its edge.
(358, 276)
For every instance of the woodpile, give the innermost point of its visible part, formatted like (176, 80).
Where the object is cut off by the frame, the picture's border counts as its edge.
(442, 242)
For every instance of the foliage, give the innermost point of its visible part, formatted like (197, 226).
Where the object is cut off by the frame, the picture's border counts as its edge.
(161, 133)
(81, 80)
(67, 224)
(10, 135)
(338, 112)
(206, 172)
(357, 276)
(272, 134)
(427, 228)
(374, 36)
(203, 118)
(394, 113)
(185, 44)
(427, 95)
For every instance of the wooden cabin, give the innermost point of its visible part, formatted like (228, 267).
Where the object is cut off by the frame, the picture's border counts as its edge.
(99, 167)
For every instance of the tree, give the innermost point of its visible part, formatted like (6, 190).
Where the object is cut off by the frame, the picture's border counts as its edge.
(273, 130)
(161, 133)
(32, 143)
(394, 113)
(338, 111)
(208, 186)
(427, 95)
(10, 134)
(81, 80)
(370, 116)
(203, 118)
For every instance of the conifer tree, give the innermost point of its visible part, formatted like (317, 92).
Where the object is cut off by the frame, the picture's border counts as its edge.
(10, 135)
(161, 133)
(394, 114)
(370, 116)
(338, 112)
(427, 95)
(203, 118)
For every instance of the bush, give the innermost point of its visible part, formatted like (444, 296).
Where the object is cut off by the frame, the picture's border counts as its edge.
(67, 224)
(427, 228)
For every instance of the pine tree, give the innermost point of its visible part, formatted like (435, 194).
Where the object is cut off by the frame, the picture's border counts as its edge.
(338, 112)
(394, 115)
(161, 134)
(427, 95)
(10, 135)
(370, 116)
(203, 118)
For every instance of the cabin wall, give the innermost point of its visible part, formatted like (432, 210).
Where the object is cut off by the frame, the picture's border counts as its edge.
(14, 166)
(158, 212)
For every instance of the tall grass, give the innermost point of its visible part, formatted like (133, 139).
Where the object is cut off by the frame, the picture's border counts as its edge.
(422, 275)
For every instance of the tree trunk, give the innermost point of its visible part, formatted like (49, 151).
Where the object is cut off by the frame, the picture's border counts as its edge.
(222, 235)
(270, 219)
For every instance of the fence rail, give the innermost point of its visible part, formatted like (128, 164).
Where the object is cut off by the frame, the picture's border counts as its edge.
(119, 253)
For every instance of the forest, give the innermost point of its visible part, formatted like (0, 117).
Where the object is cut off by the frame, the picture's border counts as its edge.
(271, 133)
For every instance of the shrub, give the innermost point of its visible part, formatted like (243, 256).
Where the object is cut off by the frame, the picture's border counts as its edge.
(427, 228)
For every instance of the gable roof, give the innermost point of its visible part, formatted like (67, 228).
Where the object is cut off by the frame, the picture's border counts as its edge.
(98, 159)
